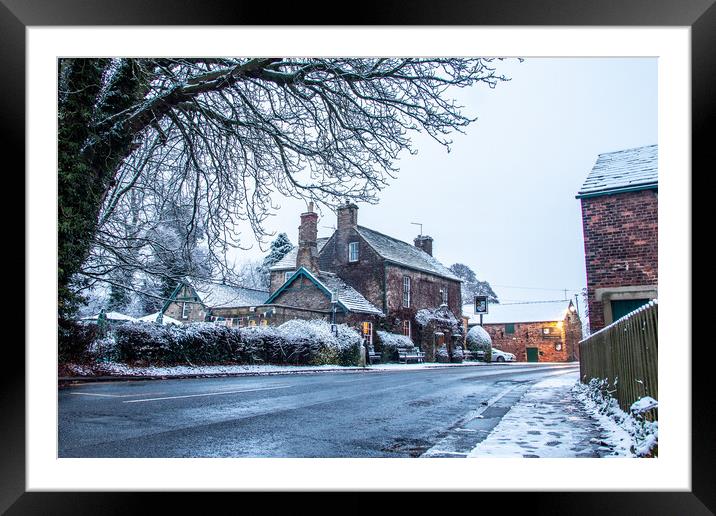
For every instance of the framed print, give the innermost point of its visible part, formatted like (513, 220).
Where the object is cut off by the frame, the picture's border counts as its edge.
(37, 475)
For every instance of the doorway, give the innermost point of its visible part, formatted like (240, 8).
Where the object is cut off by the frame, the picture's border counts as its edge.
(533, 354)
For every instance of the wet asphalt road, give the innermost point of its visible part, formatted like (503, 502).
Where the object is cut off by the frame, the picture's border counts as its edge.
(345, 414)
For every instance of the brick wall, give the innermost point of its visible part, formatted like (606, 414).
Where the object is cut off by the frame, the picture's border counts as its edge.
(620, 244)
(531, 335)
(424, 291)
(365, 275)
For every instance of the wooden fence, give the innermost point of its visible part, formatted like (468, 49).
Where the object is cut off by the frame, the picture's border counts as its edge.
(625, 353)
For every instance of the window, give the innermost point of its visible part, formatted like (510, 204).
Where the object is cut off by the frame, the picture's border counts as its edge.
(287, 275)
(353, 252)
(264, 322)
(406, 291)
(444, 294)
(510, 328)
(185, 310)
(406, 328)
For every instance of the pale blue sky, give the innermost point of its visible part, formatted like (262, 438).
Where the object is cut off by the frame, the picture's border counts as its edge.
(502, 201)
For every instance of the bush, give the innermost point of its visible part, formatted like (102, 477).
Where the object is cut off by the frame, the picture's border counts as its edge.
(74, 340)
(478, 339)
(390, 343)
(295, 342)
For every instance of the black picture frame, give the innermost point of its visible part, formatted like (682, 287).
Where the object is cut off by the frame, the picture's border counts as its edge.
(16, 15)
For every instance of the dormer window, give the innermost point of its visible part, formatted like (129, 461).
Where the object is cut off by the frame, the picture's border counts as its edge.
(353, 252)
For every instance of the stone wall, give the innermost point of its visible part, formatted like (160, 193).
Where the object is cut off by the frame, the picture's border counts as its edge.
(196, 311)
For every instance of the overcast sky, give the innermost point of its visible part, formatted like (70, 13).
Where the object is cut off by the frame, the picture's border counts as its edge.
(502, 201)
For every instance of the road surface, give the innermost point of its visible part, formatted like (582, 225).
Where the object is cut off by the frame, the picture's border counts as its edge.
(346, 414)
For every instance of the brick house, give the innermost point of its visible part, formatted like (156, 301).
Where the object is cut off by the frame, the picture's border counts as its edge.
(377, 281)
(620, 222)
(533, 332)
(197, 301)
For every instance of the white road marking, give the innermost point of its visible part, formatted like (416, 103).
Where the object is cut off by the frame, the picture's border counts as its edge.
(207, 394)
(113, 395)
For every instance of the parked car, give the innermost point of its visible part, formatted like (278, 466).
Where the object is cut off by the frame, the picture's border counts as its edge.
(502, 356)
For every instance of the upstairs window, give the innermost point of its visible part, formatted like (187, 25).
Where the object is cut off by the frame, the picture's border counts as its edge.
(510, 328)
(353, 252)
(406, 291)
(444, 295)
(287, 275)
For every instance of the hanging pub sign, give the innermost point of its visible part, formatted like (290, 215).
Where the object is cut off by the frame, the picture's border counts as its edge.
(481, 304)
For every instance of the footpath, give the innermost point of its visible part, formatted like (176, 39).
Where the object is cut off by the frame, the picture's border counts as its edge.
(542, 419)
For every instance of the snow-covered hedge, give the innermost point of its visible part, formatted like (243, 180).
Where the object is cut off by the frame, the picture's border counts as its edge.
(478, 339)
(391, 342)
(440, 317)
(75, 339)
(294, 342)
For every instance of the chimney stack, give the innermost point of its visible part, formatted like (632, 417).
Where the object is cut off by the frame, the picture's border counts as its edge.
(347, 216)
(425, 243)
(307, 255)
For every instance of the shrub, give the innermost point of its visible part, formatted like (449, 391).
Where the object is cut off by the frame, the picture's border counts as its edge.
(74, 340)
(478, 339)
(151, 343)
(391, 342)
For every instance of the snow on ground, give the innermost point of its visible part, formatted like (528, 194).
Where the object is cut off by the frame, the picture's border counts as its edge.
(117, 369)
(642, 436)
(548, 421)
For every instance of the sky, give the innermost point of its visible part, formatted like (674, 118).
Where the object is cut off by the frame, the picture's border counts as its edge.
(502, 201)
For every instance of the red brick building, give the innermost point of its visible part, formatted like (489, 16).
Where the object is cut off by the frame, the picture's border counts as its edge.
(373, 278)
(533, 332)
(620, 222)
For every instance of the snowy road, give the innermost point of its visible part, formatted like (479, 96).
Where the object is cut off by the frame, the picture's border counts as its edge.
(429, 412)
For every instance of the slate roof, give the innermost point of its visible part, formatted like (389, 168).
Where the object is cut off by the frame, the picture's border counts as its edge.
(624, 170)
(405, 254)
(347, 295)
(288, 262)
(219, 295)
(500, 313)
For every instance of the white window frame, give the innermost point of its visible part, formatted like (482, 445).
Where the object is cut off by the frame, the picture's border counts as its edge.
(409, 327)
(287, 275)
(406, 291)
(445, 295)
(353, 252)
(184, 314)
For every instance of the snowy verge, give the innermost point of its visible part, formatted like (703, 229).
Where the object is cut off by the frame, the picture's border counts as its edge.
(80, 371)
(643, 434)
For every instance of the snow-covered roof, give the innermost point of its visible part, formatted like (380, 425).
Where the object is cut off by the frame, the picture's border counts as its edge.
(165, 319)
(220, 295)
(500, 313)
(347, 295)
(111, 316)
(624, 170)
(403, 253)
(288, 262)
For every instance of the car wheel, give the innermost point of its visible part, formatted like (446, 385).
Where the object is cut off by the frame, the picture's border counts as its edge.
(500, 359)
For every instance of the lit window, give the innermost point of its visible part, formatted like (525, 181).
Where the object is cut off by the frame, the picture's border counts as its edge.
(353, 252)
(406, 291)
(264, 322)
(185, 310)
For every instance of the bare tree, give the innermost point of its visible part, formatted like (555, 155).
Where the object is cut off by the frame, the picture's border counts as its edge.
(220, 136)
